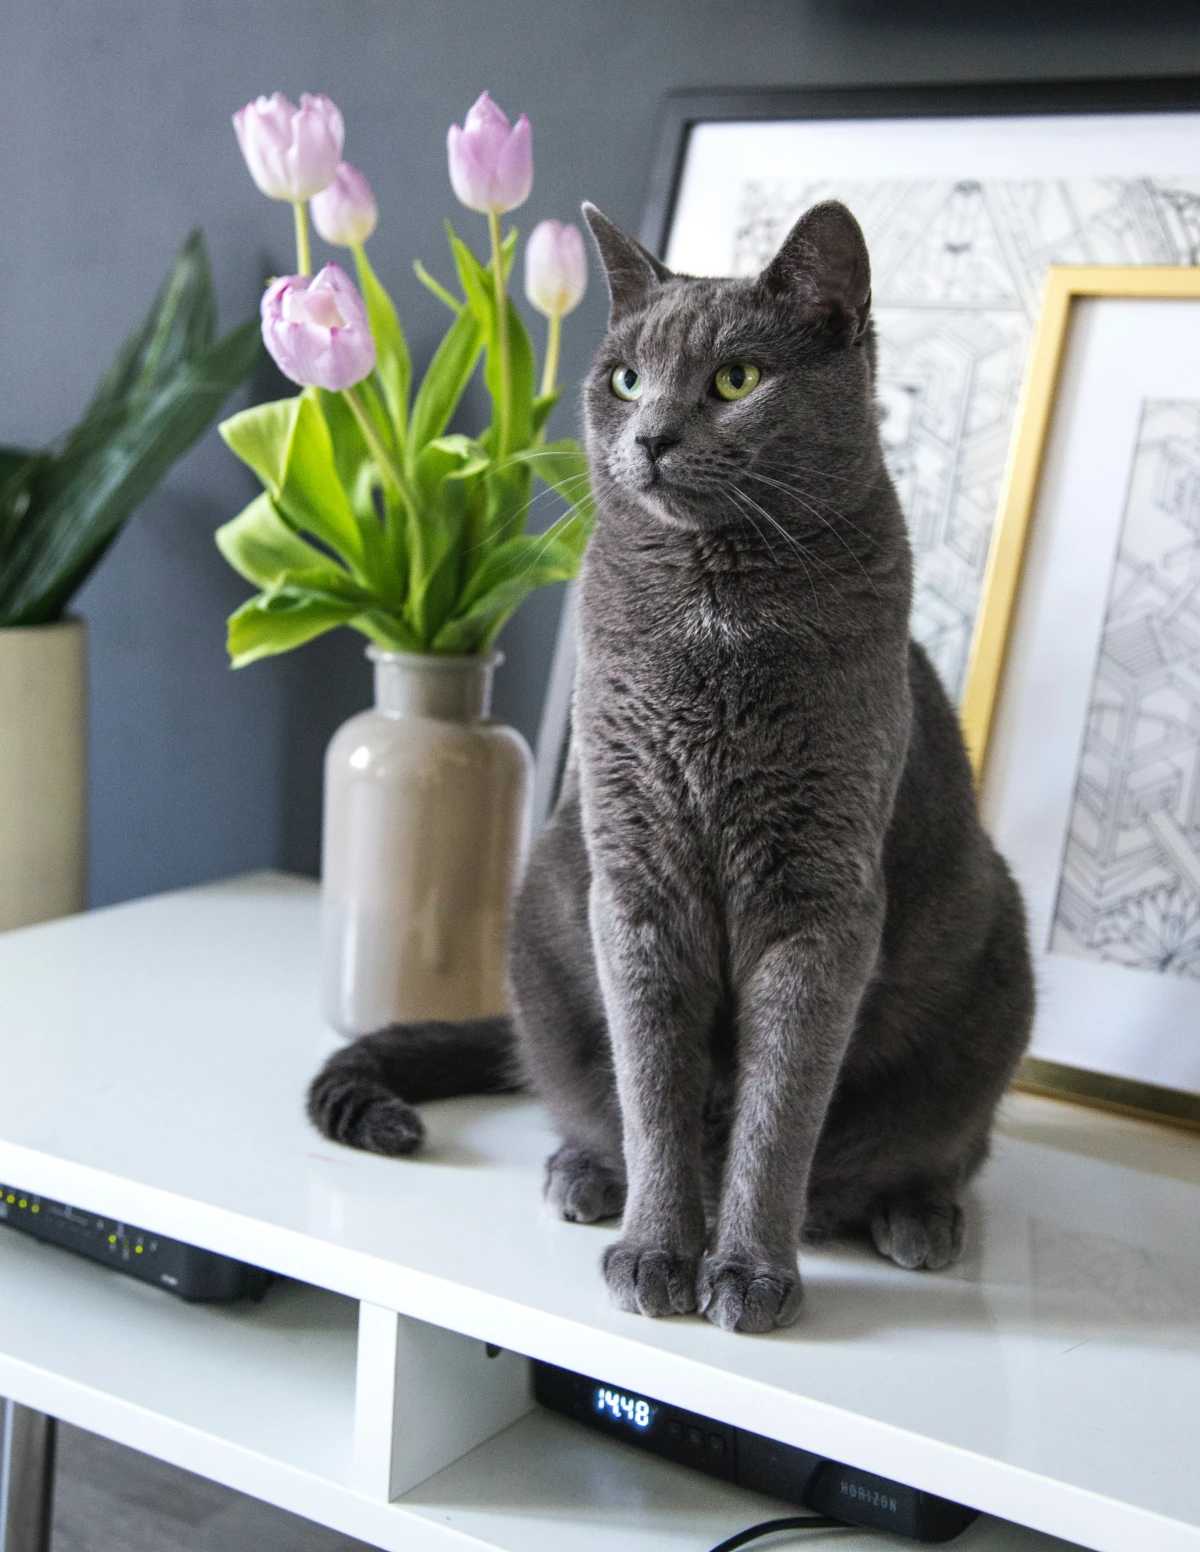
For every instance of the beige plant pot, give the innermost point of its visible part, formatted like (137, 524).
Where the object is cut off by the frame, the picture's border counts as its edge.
(426, 826)
(43, 772)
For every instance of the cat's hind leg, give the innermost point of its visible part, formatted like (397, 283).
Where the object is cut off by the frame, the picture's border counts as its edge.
(583, 1187)
(562, 1038)
(919, 1231)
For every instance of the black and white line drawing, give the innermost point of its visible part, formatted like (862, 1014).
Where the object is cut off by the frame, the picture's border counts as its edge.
(958, 270)
(1130, 885)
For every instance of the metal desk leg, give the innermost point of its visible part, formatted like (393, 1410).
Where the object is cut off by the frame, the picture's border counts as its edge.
(26, 1478)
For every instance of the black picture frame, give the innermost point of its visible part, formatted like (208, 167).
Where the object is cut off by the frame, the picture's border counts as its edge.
(681, 111)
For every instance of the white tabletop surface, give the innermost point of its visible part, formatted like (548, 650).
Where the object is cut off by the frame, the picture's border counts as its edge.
(153, 1060)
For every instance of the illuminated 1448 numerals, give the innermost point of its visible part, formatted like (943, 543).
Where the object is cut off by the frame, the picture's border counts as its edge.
(623, 1409)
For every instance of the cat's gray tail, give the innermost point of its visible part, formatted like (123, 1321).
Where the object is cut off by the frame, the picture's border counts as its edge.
(364, 1094)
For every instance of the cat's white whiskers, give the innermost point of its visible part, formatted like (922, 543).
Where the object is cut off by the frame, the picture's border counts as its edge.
(793, 490)
(740, 496)
(822, 519)
(796, 544)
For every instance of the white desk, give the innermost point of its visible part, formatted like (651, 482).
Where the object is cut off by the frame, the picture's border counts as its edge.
(153, 1060)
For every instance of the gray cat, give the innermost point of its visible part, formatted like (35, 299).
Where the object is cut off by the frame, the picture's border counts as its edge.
(769, 974)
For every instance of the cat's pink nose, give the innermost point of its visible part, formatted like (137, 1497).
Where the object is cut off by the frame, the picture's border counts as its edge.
(656, 446)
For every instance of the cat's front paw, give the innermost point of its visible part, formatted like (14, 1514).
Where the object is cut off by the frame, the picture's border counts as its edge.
(743, 1295)
(647, 1280)
(581, 1188)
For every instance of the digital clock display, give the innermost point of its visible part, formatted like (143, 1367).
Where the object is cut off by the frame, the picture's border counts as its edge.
(633, 1411)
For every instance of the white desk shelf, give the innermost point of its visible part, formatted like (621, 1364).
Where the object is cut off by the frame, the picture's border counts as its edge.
(153, 1060)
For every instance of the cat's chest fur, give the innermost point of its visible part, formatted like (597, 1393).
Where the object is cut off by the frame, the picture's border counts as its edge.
(710, 697)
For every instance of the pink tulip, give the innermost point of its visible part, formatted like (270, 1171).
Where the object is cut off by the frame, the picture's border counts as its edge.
(292, 153)
(317, 331)
(345, 213)
(555, 268)
(491, 161)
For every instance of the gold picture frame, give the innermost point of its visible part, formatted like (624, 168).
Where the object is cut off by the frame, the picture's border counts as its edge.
(1002, 581)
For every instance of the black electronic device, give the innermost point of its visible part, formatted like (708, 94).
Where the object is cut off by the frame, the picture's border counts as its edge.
(737, 1455)
(199, 1276)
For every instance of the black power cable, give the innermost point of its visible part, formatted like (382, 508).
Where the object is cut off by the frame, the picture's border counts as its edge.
(769, 1527)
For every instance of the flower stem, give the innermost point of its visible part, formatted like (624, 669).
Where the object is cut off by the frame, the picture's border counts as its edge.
(374, 441)
(550, 370)
(303, 251)
(505, 428)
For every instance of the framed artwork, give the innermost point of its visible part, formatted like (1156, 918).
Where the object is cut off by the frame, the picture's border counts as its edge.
(966, 196)
(1082, 704)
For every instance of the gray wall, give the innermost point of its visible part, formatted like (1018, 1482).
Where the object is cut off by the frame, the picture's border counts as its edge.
(114, 119)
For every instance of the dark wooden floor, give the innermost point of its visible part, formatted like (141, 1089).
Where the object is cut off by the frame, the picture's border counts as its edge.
(110, 1499)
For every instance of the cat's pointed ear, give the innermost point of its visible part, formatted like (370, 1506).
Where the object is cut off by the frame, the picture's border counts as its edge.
(633, 272)
(824, 260)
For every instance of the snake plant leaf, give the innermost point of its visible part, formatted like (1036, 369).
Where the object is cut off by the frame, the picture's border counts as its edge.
(19, 469)
(261, 547)
(393, 363)
(88, 492)
(179, 327)
(447, 376)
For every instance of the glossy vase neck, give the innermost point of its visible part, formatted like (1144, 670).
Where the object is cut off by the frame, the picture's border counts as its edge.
(450, 689)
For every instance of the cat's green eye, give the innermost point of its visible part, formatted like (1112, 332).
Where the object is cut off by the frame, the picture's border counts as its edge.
(736, 380)
(626, 383)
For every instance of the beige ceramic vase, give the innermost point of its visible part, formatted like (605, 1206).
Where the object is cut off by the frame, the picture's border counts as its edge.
(426, 825)
(43, 772)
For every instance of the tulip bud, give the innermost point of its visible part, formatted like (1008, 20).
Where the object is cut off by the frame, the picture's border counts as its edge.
(316, 329)
(345, 213)
(292, 153)
(491, 161)
(555, 268)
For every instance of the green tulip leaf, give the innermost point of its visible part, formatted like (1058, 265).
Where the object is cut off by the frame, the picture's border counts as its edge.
(443, 384)
(524, 375)
(260, 437)
(277, 621)
(511, 572)
(447, 298)
(509, 503)
(392, 361)
(289, 446)
(357, 471)
(561, 465)
(261, 547)
(542, 408)
(445, 476)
